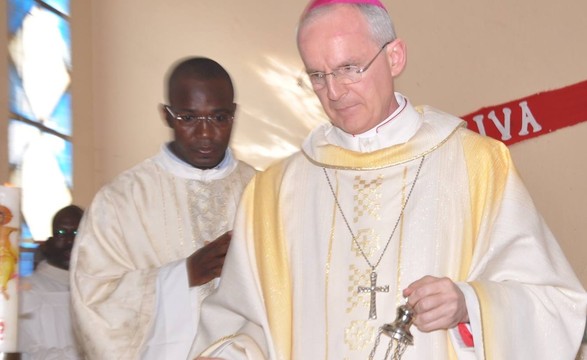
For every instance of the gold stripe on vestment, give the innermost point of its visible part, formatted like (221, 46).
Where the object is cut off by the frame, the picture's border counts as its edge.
(270, 250)
(335, 157)
(487, 167)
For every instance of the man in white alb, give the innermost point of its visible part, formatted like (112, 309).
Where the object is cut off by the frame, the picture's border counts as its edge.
(45, 330)
(154, 238)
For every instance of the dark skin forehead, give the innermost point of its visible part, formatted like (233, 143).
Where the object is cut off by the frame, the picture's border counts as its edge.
(214, 92)
(198, 68)
(68, 216)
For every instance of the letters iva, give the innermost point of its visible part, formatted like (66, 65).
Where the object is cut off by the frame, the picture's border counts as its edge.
(505, 127)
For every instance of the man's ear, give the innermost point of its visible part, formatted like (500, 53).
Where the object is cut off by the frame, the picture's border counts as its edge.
(397, 52)
(165, 115)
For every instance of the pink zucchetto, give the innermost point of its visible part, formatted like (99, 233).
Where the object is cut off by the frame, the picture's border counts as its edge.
(317, 3)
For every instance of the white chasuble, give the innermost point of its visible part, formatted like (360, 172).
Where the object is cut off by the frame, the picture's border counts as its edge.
(292, 275)
(366, 303)
(129, 278)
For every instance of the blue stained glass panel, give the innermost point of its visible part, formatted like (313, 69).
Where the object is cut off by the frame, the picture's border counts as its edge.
(64, 30)
(43, 59)
(59, 5)
(20, 136)
(25, 232)
(26, 265)
(19, 102)
(39, 45)
(65, 161)
(66, 35)
(17, 10)
(61, 117)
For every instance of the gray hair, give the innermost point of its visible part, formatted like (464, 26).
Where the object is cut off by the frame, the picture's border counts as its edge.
(378, 20)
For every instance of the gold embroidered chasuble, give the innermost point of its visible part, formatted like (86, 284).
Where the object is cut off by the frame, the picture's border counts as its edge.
(296, 271)
(149, 217)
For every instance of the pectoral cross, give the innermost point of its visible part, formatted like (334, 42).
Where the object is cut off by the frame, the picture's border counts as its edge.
(373, 290)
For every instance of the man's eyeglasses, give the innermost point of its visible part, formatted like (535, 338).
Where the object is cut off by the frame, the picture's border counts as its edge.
(348, 74)
(219, 120)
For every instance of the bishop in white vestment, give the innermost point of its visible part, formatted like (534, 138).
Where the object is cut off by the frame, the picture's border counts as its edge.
(291, 282)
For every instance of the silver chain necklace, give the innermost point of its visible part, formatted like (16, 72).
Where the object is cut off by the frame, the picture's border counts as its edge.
(373, 289)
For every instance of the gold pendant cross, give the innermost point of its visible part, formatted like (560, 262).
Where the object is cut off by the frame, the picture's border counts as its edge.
(373, 290)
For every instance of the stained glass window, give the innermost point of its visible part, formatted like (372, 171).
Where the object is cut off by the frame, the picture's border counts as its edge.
(40, 121)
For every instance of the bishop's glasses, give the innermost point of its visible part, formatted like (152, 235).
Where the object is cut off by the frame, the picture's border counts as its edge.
(347, 74)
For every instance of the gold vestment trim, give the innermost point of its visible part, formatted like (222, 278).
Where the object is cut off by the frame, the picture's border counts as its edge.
(335, 157)
(271, 254)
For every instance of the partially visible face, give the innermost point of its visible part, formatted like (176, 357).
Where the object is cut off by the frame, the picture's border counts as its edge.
(57, 249)
(342, 37)
(202, 145)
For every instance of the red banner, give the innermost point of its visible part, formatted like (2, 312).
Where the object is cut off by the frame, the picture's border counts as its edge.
(532, 116)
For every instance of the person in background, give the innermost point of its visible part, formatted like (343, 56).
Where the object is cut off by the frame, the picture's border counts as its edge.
(45, 330)
(388, 206)
(156, 236)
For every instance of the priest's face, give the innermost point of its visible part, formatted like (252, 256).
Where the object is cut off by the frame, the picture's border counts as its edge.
(202, 140)
(339, 38)
(57, 249)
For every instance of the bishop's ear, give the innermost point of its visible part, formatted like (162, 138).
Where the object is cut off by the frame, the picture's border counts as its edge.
(397, 52)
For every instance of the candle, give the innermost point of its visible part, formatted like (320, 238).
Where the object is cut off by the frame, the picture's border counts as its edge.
(9, 235)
